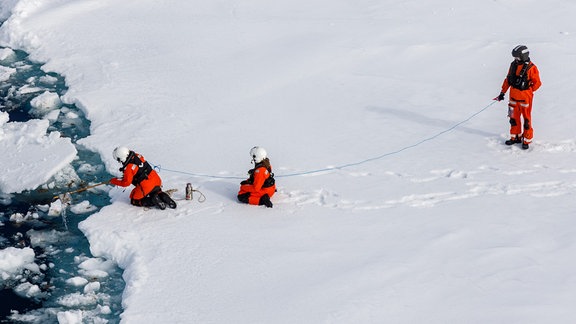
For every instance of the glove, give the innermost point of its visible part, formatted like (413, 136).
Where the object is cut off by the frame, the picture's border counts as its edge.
(500, 97)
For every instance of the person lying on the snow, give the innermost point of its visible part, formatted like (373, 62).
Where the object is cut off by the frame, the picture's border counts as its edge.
(147, 190)
(260, 187)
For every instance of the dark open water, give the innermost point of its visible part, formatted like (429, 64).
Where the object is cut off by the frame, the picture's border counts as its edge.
(59, 258)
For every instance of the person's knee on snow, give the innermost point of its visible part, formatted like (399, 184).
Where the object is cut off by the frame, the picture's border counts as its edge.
(243, 198)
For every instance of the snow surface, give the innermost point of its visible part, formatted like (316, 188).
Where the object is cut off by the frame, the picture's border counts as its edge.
(414, 220)
(30, 157)
(14, 260)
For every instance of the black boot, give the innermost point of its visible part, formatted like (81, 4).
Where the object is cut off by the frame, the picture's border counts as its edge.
(525, 146)
(158, 202)
(265, 200)
(166, 198)
(514, 140)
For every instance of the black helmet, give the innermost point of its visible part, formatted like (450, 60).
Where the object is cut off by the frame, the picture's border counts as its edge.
(521, 52)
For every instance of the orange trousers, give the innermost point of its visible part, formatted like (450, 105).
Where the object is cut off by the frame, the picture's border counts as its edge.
(520, 113)
(255, 195)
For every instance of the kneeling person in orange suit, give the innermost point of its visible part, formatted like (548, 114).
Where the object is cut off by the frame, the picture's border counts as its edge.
(147, 190)
(260, 187)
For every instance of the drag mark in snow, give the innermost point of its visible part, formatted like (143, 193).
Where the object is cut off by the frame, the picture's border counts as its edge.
(561, 147)
(447, 173)
(541, 189)
(319, 197)
(208, 210)
(460, 187)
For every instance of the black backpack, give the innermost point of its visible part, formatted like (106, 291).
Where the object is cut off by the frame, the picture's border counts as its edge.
(519, 81)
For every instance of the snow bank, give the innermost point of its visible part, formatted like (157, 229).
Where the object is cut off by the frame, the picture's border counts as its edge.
(30, 157)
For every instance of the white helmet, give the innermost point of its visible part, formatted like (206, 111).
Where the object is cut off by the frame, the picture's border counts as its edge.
(121, 154)
(258, 154)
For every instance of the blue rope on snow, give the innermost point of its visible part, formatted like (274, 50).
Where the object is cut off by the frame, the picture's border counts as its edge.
(159, 168)
(343, 165)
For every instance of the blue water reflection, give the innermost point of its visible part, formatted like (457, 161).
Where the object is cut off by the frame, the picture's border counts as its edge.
(26, 222)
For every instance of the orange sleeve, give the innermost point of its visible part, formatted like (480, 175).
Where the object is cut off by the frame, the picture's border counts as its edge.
(126, 180)
(505, 85)
(260, 175)
(534, 77)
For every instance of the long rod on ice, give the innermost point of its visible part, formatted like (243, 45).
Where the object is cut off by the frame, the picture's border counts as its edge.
(79, 190)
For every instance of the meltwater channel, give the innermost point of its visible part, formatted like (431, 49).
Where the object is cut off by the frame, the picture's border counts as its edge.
(61, 250)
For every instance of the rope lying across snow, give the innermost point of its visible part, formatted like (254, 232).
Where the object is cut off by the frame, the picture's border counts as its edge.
(339, 167)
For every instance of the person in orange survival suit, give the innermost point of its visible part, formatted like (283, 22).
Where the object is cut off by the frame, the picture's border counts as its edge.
(147, 190)
(523, 79)
(260, 186)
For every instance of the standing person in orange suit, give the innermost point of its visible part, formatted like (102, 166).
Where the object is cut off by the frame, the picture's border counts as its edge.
(523, 79)
(147, 190)
(260, 186)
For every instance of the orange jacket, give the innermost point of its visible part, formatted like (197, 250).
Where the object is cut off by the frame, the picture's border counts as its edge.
(533, 76)
(144, 187)
(255, 185)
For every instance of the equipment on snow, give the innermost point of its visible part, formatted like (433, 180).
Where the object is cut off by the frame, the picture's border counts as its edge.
(201, 199)
(188, 191)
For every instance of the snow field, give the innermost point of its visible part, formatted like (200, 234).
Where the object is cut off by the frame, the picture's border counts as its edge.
(458, 229)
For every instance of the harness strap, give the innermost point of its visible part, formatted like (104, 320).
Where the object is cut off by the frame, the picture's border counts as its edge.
(144, 168)
(269, 182)
(519, 81)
